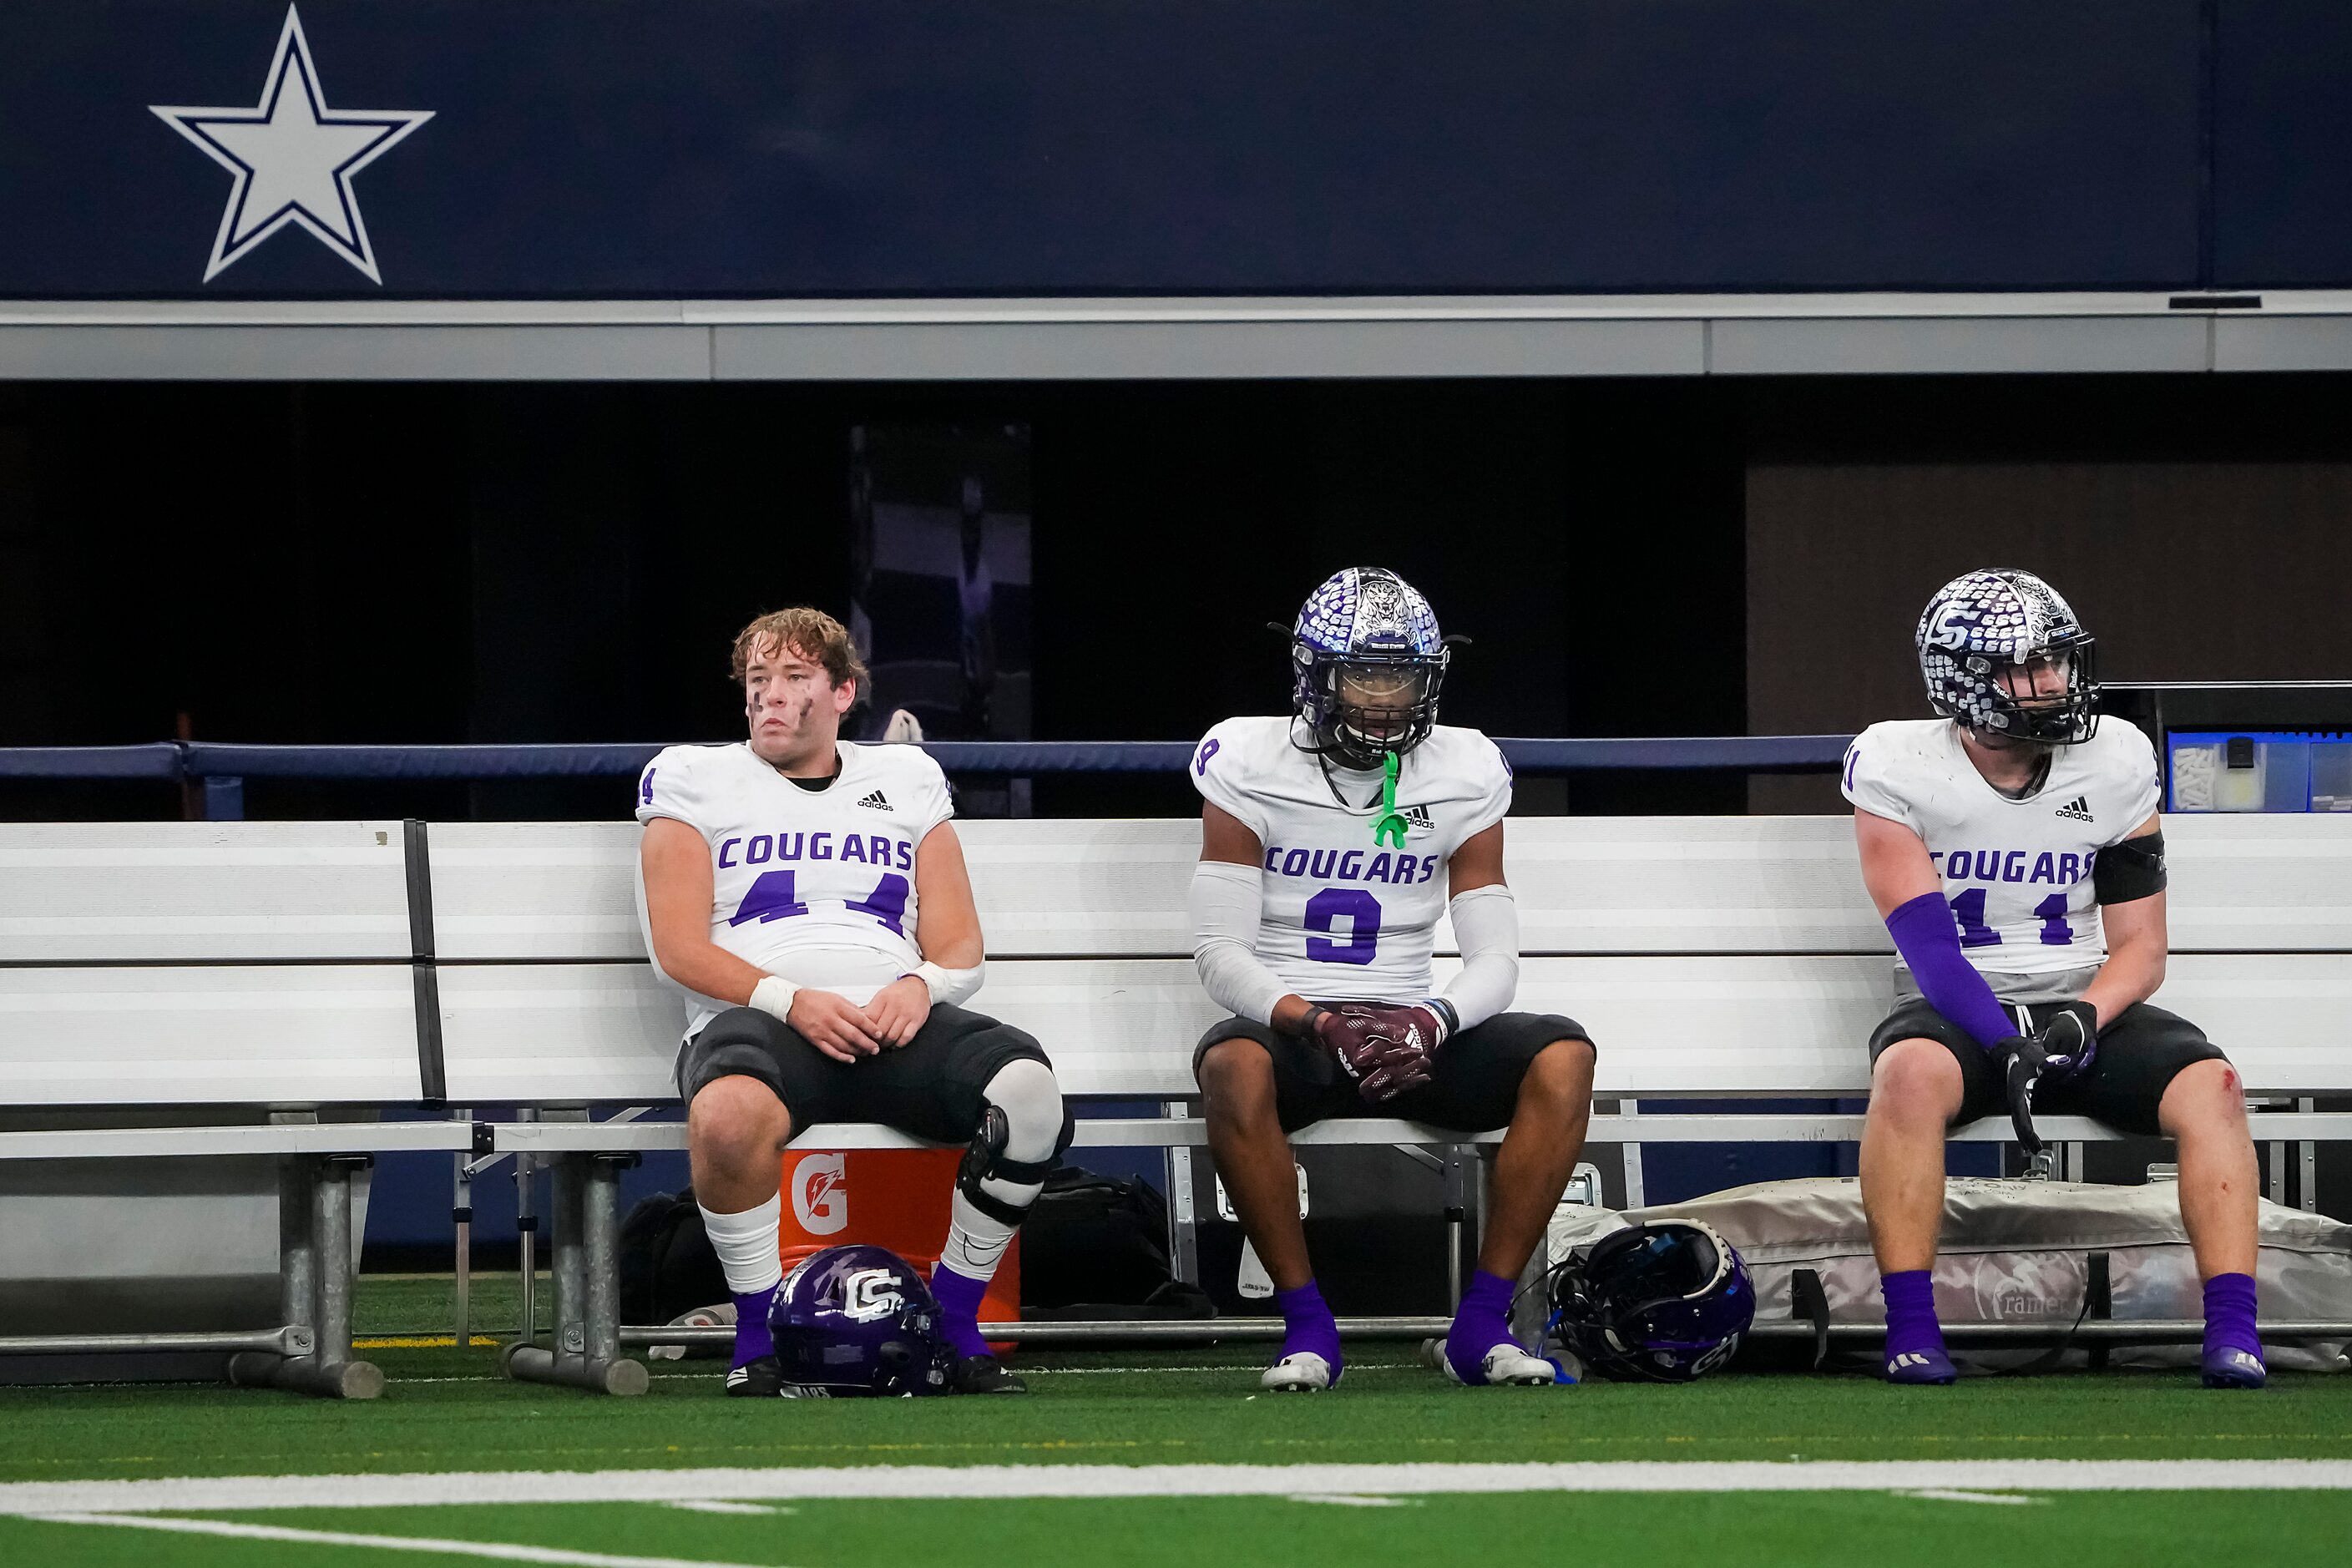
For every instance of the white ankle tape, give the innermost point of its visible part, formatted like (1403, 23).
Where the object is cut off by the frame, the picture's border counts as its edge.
(746, 1246)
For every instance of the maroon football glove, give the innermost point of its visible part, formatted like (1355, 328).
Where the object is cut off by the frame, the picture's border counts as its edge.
(1385, 1049)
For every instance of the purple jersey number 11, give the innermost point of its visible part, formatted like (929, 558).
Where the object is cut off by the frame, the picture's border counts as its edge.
(1969, 908)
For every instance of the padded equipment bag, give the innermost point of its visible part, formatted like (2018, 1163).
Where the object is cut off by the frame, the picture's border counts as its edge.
(2017, 1251)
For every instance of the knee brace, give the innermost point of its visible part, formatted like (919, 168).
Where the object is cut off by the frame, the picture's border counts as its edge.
(985, 1160)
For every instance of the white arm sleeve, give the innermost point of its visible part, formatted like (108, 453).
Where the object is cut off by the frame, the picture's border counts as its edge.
(1487, 922)
(1226, 903)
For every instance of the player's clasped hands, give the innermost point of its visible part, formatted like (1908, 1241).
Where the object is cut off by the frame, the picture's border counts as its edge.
(1384, 1048)
(834, 1025)
(899, 1009)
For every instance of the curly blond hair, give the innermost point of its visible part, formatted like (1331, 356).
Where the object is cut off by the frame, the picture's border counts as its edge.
(806, 631)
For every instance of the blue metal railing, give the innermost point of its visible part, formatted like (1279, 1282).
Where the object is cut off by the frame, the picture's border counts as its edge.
(221, 769)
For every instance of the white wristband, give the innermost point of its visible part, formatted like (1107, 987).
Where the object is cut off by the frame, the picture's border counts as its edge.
(773, 995)
(949, 986)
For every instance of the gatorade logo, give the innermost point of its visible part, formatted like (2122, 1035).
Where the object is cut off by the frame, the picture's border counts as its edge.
(820, 1201)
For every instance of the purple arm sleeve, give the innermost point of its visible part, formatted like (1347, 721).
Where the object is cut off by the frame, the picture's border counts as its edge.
(1930, 942)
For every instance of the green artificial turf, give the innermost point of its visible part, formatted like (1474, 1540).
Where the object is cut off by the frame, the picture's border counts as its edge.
(447, 1409)
(2080, 1529)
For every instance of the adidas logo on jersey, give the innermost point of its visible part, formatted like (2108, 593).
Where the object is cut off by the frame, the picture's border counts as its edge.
(875, 801)
(2077, 810)
(1419, 816)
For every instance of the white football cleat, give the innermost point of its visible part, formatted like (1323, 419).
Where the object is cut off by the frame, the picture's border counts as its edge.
(1509, 1364)
(1302, 1373)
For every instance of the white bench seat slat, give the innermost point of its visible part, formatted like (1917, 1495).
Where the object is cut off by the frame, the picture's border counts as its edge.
(1137, 1132)
(541, 1023)
(146, 892)
(1667, 885)
(209, 1034)
(565, 891)
(1667, 1027)
(555, 890)
(557, 1032)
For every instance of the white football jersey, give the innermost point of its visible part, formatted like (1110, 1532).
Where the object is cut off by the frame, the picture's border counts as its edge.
(1344, 918)
(2017, 872)
(817, 886)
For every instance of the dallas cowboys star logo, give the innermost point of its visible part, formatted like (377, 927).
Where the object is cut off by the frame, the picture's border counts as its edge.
(293, 158)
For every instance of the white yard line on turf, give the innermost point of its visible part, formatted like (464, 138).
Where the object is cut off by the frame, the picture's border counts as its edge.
(500, 1550)
(1347, 1500)
(1938, 1494)
(713, 1505)
(199, 1494)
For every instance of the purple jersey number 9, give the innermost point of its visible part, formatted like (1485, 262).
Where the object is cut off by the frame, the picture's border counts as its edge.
(1360, 908)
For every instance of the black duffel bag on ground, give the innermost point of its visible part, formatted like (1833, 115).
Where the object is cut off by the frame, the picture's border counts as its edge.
(1095, 1247)
(666, 1266)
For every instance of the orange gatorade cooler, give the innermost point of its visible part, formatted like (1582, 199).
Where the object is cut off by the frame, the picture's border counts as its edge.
(896, 1198)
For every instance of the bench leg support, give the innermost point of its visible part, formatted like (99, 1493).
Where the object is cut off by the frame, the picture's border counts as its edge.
(585, 1219)
(314, 1238)
(1183, 1232)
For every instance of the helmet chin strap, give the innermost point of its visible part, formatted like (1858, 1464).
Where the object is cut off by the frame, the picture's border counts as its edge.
(1391, 820)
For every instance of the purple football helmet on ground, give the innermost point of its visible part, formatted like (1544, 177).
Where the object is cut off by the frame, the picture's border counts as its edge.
(1661, 1303)
(859, 1321)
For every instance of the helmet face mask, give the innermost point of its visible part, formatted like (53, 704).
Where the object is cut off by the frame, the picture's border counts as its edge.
(1367, 662)
(1664, 1303)
(2003, 655)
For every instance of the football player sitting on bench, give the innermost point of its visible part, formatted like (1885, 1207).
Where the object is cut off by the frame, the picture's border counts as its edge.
(808, 895)
(2013, 846)
(1332, 840)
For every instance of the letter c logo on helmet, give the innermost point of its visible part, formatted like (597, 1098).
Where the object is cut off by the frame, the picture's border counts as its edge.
(860, 1319)
(1989, 643)
(870, 1294)
(1951, 628)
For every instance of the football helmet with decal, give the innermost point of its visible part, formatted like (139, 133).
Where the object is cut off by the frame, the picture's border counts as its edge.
(859, 1321)
(1663, 1302)
(1366, 662)
(2002, 652)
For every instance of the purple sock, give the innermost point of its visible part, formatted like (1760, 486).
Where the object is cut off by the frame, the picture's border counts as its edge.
(752, 1339)
(1309, 1327)
(1480, 1323)
(958, 1297)
(1911, 1326)
(2230, 1315)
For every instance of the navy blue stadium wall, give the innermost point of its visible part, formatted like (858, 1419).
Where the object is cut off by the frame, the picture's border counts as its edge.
(746, 147)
